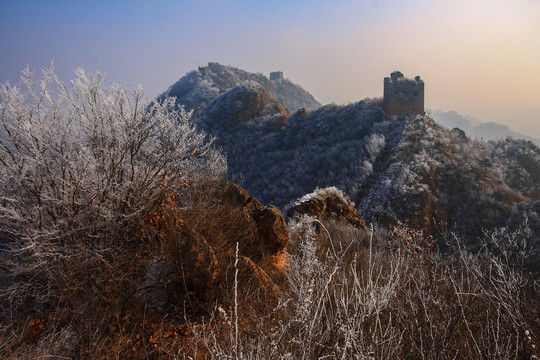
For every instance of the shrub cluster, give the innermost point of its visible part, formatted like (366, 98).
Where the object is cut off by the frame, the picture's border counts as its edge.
(383, 294)
(86, 170)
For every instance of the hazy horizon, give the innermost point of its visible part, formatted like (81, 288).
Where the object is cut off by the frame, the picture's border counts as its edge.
(477, 58)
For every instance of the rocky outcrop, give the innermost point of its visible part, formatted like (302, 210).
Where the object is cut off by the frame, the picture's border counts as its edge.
(198, 88)
(218, 217)
(265, 224)
(245, 104)
(328, 204)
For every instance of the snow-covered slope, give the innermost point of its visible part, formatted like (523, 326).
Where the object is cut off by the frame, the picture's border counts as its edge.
(198, 88)
(404, 167)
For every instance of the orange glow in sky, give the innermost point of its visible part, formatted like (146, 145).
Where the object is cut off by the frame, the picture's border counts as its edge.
(480, 58)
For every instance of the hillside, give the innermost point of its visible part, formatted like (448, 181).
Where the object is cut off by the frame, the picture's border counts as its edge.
(401, 168)
(404, 167)
(121, 239)
(198, 88)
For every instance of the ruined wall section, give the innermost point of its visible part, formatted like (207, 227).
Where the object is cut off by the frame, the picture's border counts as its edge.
(276, 75)
(402, 95)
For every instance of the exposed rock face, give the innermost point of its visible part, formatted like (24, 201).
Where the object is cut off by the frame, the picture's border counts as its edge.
(200, 250)
(328, 203)
(219, 215)
(264, 223)
(245, 104)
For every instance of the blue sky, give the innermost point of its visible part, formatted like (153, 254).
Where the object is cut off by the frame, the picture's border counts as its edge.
(479, 58)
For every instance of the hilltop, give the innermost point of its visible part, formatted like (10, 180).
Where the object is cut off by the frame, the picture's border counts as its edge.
(198, 88)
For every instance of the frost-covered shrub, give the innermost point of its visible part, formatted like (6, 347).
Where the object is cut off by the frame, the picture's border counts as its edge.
(87, 161)
(86, 170)
(374, 144)
(391, 295)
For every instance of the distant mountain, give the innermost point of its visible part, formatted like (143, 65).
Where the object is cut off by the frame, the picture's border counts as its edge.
(198, 88)
(475, 128)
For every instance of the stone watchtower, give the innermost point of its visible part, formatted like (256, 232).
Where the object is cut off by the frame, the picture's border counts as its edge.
(276, 75)
(402, 95)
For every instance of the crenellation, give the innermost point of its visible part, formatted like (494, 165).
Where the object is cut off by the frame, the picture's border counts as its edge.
(403, 95)
(276, 75)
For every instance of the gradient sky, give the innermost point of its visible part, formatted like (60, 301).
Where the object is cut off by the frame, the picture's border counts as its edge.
(477, 57)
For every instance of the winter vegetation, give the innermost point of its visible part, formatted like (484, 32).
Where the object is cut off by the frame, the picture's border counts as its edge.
(87, 169)
(121, 238)
(384, 294)
(394, 168)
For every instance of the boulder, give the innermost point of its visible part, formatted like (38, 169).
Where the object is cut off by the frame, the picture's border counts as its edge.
(200, 252)
(265, 224)
(245, 104)
(328, 204)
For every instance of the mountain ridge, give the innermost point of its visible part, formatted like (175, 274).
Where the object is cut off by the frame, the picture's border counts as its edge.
(394, 168)
(199, 87)
(474, 128)
(121, 237)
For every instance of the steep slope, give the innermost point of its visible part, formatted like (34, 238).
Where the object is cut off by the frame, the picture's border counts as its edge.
(437, 176)
(246, 124)
(198, 88)
(293, 96)
(400, 168)
(246, 104)
(405, 167)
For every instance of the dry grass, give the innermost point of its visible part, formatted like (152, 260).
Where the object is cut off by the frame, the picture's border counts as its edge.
(389, 295)
(350, 294)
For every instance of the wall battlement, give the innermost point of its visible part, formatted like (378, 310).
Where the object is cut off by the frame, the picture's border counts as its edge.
(276, 75)
(211, 66)
(402, 95)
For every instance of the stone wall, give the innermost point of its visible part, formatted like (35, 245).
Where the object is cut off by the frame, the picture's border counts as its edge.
(402, 95)
(276, 75)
